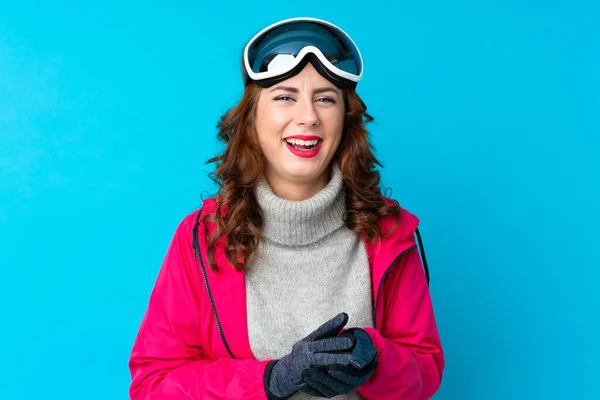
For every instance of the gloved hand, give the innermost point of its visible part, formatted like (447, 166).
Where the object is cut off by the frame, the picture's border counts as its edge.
(322, 347)
(333, 380)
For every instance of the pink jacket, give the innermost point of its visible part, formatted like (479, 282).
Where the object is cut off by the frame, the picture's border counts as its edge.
(183, 352)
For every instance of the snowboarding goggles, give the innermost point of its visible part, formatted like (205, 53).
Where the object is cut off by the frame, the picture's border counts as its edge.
(282, 49)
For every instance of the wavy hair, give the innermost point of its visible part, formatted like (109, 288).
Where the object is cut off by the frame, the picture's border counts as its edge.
(238, 218)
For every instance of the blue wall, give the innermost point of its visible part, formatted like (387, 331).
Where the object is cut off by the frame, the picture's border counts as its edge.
(487, 122)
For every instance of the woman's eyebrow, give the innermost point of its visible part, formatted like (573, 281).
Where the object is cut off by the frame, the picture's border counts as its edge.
(285, 89)
(292, 89)
(326, 89)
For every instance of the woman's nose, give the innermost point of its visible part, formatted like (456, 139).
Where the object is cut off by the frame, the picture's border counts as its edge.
(306, 114)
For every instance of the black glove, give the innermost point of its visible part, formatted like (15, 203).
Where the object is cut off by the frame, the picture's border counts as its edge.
(333, 380)
(322, 347)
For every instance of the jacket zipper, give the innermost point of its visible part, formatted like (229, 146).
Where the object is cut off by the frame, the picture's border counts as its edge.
(197, 253)
(385, 274)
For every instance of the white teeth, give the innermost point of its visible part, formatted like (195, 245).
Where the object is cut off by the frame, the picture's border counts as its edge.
(299, 142)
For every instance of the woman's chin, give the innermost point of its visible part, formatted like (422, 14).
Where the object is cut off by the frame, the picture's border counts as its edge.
(304, 172)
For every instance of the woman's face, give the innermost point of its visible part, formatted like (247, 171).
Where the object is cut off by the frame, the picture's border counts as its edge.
(299, 123)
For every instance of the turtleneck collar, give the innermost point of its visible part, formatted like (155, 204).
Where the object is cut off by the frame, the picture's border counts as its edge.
(297, 223)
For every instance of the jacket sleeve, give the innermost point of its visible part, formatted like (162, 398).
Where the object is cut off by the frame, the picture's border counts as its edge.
(411, 359)
(167, 360)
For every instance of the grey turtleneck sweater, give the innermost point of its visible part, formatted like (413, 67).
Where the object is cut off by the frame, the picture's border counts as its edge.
(308, 268)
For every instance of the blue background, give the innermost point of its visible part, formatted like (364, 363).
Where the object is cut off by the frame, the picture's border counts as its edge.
(487, 123)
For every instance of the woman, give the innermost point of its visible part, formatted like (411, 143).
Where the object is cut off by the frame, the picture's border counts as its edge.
(299, 280)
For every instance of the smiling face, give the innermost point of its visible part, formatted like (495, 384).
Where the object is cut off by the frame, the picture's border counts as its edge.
(299, 123)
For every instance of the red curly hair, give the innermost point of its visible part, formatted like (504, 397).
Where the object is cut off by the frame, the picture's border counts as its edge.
(242, 164)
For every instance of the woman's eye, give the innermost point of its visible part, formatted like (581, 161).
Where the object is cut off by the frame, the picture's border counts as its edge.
(326, 100)
(320, 100)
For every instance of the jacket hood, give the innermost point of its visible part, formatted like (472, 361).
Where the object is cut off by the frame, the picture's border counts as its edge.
(406, 228)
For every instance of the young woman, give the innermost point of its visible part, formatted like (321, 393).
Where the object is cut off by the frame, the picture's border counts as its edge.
(299, 279)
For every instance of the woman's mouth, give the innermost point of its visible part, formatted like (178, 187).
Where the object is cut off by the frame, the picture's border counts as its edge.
(303, 144)
(304, 148)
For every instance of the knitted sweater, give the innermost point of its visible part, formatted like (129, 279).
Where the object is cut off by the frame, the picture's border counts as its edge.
(308, 268)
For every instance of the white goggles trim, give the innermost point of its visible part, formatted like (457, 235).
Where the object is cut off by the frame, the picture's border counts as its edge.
(257, 76)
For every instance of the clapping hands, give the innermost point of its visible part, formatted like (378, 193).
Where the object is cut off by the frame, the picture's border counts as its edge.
(325, 363)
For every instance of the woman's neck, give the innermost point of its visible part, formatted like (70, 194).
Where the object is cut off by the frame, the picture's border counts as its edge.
(296, 191)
